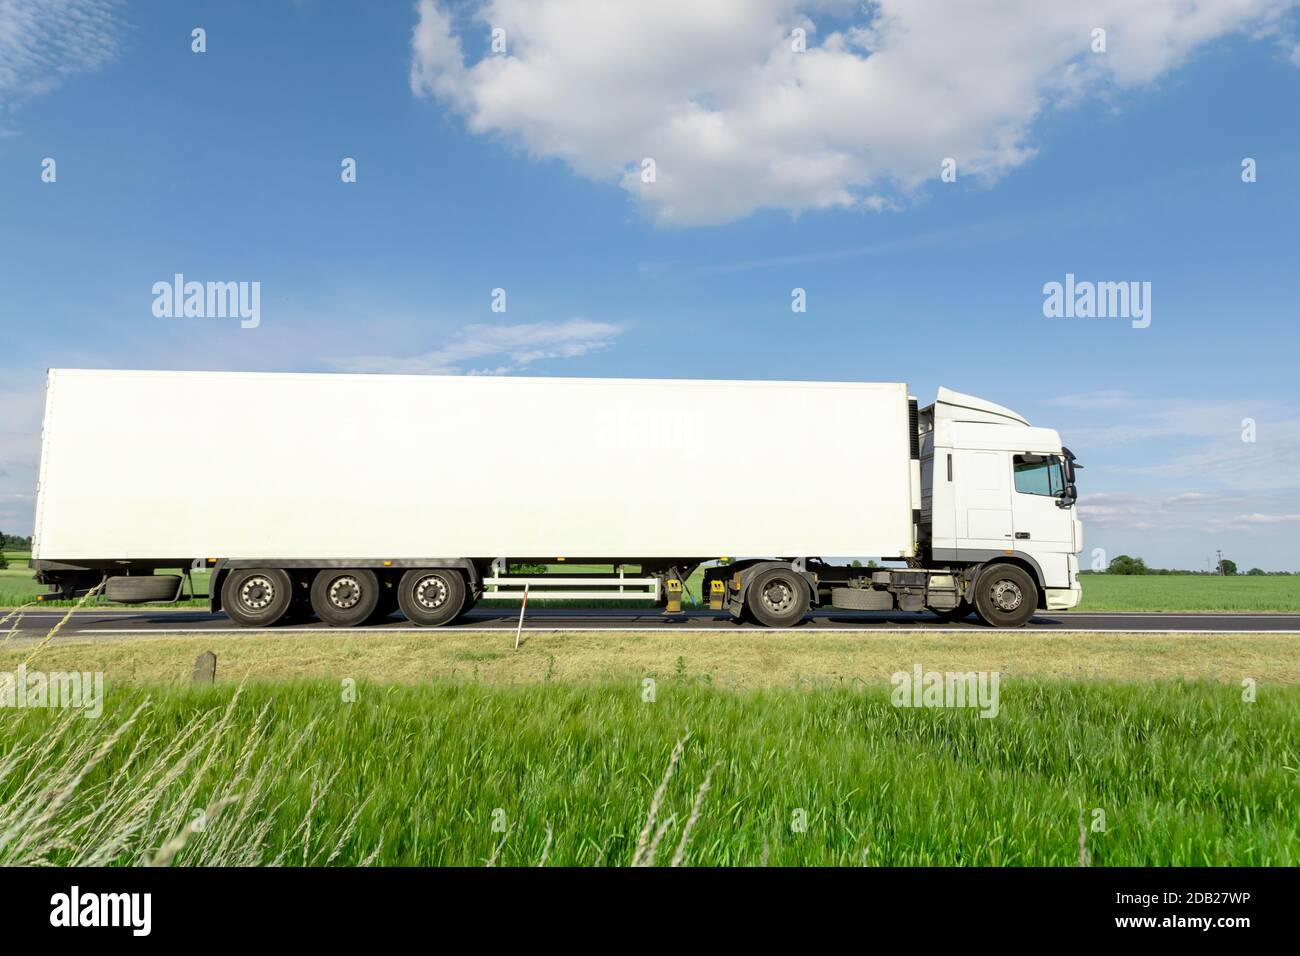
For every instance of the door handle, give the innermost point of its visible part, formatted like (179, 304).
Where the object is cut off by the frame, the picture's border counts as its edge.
(1023, 535)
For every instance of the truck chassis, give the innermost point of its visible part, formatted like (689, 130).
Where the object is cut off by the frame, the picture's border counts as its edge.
(436, 591)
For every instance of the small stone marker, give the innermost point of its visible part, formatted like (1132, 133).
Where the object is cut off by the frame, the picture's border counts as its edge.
(205, 668)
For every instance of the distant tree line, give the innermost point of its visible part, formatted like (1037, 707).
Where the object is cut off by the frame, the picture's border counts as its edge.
(12, 542)
(1124, 564)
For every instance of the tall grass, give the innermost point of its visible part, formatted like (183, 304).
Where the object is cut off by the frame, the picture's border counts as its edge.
(148, 790)
(461, 773)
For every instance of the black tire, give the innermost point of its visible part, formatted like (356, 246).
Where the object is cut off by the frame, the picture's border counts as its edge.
(431, 597)
(777, 597)
(963, 610)
(1005, 596)
(256, 597)
(345, 597)
(142, 588)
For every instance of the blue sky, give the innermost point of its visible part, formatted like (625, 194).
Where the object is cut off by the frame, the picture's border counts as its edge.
(521, 172)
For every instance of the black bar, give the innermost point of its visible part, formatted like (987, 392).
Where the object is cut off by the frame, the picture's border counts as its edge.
(333, 906)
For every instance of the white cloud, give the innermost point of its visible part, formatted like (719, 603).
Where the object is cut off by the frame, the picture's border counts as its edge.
(1268, 519)
(736, 121)
(519, 346)
(44, 42)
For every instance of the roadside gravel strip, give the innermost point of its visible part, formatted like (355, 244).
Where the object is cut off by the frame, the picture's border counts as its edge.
(98, 623)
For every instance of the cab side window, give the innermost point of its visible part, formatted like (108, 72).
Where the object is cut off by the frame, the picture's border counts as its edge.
(1039, 475)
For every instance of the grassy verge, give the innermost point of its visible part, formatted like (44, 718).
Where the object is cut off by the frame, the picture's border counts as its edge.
(446, 772)
(741, 659)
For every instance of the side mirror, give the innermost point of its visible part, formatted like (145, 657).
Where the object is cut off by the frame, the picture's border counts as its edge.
(1070, 496)
(1071, 465)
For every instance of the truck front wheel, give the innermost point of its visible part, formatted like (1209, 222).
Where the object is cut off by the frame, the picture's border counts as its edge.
(1005, 596)
(256, 597)
(777, 598)
(431, 597)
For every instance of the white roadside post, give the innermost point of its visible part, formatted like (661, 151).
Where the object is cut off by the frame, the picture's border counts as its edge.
(520, 629)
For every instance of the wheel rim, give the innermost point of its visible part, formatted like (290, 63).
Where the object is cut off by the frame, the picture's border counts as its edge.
(778, 596)
(431, 592)
(345, 592)
(1006, 595)
(257, 592)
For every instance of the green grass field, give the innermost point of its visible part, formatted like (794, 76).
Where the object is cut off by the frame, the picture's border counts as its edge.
(404, 748)
(1188, 592)
(1185, 774)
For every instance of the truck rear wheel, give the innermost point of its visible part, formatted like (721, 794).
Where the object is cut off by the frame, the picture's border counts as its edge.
(431, 597)
(345, 597)
(1005, 596)
(777, 598)
(256, 597)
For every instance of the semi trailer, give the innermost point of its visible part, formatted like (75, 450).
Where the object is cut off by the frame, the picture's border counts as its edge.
(347, 497)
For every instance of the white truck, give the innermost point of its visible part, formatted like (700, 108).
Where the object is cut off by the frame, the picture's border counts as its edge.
(347, 497)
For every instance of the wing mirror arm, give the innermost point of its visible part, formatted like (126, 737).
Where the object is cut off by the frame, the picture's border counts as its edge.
(1069, 497)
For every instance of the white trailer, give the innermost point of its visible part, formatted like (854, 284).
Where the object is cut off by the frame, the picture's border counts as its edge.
(348, 495)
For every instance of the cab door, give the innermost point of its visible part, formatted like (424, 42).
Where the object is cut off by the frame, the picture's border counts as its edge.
(981, 483)
(1041, 526)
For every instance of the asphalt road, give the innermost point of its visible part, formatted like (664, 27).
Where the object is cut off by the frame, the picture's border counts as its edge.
(92, 623)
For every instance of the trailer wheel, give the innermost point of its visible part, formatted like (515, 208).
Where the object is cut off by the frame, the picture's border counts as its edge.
(256, 597)
(1005, 596)
(777, 598)
(431, 597)
(345, 597)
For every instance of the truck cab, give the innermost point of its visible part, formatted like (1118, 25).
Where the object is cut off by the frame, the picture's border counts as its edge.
(996, 489)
